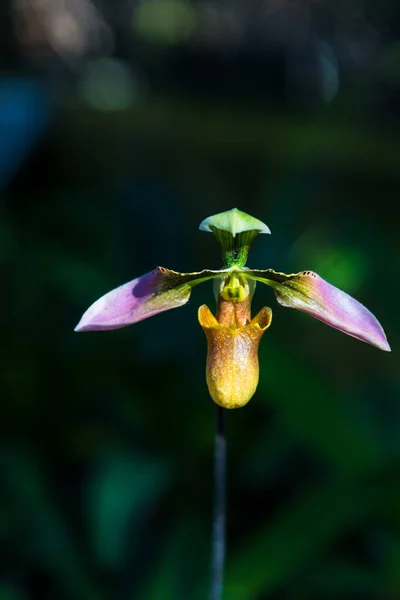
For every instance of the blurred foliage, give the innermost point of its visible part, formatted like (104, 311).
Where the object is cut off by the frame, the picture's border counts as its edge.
(122, 126)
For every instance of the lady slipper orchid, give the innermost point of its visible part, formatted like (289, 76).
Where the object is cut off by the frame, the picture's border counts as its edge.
(233, 336)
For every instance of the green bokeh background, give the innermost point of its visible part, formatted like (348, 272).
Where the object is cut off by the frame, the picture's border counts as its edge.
(107, 438)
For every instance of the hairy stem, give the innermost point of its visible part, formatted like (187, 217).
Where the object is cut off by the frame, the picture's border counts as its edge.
(218, 531)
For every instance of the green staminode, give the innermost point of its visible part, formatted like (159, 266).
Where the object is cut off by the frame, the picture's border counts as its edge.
(235, 232)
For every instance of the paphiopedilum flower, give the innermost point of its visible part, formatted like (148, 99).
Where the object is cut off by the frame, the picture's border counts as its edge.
(233, 336)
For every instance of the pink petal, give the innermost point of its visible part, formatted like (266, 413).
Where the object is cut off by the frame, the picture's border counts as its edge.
(141, 298)
(308, 292)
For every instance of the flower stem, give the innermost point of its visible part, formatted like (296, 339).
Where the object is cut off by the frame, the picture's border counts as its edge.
(218, 530)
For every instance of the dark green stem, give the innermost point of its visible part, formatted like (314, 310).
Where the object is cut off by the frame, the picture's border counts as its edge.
(218, 531)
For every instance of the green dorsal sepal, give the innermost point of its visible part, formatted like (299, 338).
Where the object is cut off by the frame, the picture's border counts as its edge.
(235, 232)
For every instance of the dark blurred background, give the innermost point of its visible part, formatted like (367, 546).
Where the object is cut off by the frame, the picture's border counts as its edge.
(122, 126)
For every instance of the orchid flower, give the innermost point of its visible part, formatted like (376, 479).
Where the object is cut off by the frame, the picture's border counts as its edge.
(233, 336)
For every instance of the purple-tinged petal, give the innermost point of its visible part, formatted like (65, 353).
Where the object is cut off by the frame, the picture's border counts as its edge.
(308, 292)
(141, 298)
